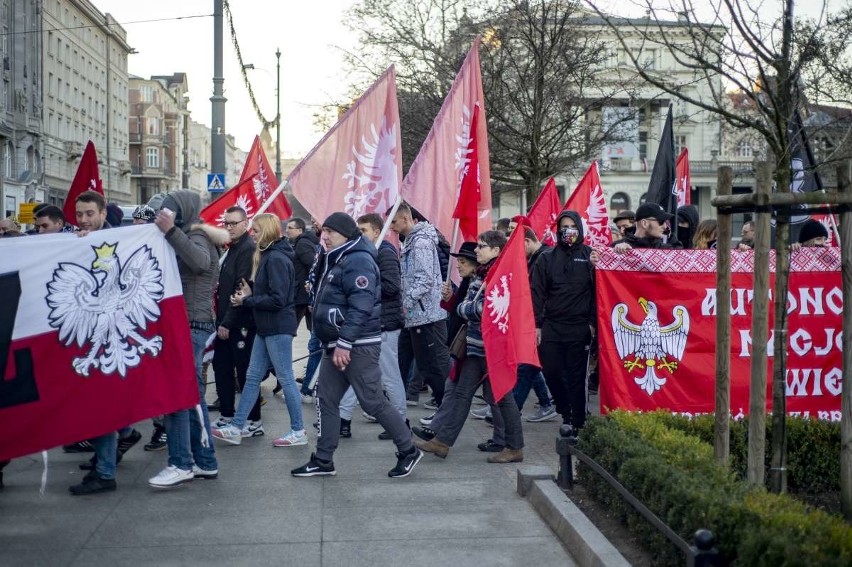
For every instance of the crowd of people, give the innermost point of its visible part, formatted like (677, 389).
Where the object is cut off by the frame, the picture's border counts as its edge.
(385, 325)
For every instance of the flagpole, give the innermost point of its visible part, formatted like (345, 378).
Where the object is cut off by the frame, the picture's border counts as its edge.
(389, 220)
(272, 197)
(452, 249)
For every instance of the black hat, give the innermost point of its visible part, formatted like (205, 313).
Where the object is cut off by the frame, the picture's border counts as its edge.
(812, 229)
(342, 224)
(467, 251)
(625, 215)
(652, 211)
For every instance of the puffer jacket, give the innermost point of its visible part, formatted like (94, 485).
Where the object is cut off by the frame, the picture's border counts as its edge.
(388, 260)
(421, 276)
(347, 306)
(273, 291)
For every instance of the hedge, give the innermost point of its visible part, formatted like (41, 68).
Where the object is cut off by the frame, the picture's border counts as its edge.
(675, 475)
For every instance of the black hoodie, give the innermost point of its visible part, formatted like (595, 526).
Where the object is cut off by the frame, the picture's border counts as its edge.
(563, 289)
(273, 290)
(689, 215)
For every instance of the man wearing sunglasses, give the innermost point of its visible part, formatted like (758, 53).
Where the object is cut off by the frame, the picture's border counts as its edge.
(652, 221)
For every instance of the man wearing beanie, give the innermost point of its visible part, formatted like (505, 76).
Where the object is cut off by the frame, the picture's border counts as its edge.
(813, 233)
(347, 320)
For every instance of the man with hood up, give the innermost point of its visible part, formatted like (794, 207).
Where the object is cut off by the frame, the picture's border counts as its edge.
(563, 296)
(190, 443)
(687, 223)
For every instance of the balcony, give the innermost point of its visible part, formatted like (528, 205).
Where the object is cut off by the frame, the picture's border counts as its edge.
(73, 149)
(135, 137)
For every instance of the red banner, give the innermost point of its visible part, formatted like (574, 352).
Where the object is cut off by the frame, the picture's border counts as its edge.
(657, 331)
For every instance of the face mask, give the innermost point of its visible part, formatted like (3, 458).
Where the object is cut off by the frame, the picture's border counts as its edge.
(569, 235)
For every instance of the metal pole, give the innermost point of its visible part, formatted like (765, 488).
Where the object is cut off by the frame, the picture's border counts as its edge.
(278, 115)
(217, 132)
(722, 429)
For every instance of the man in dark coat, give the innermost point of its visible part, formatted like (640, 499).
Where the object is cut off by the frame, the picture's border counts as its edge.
(304, 243)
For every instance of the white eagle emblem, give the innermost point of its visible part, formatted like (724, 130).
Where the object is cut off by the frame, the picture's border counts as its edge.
(649, 342)
(372, 177)
(498, 304)
(597, 226)
(106, 307)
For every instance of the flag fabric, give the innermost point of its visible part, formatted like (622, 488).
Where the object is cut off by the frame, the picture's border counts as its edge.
(589, 202)
(684, 180)
(87, 178)
(241, 195)
(357, 166)
(662, 187)
(543, 213)
(434, 179)
(264, 181)
(93, 336)
(508, 328)
(470, 191)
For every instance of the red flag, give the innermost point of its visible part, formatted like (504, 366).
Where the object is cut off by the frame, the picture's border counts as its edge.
(264, 181)
(435, 176)
(683, 182)
(544, 211)
(470, 192)
(357, 166)
(240, 195)
(588, 200)
(93, 326)
(508, 327)
(87, 178)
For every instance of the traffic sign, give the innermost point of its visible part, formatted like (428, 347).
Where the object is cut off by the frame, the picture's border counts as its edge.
(216, 182)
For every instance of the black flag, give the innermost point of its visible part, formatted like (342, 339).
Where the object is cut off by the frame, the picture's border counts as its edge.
(663, 189)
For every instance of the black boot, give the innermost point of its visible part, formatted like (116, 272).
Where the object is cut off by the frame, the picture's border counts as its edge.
(345, 428)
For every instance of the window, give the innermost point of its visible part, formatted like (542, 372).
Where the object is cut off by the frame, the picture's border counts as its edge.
(153, 126)
(620, 202)
(744, 150)
(153, 157)
(146, 94)
(9, 159)
(680, 144)
(643, 145)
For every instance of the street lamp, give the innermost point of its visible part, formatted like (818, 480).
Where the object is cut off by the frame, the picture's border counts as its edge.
(278, 115)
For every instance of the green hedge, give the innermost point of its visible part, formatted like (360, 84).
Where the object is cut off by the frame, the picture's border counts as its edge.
(675, 475)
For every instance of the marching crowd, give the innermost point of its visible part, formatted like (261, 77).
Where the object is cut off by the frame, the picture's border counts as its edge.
(385, 324)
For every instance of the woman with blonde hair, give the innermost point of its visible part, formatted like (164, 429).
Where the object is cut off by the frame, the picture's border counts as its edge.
(270, 298)
(705, 235)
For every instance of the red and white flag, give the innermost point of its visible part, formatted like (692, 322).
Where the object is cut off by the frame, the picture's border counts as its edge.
(470, 191)
(264, 181)
(357, 166)
(544, 212)
(241, 195)
(589, 201)
(508, 327)
(434, 179)
(93, 336)
(87, 178)
(683, 182)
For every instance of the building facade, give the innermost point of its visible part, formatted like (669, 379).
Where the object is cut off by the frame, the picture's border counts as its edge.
(85, 97)
(199, 160)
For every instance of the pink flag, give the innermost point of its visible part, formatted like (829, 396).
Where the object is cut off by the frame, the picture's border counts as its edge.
(544, 211)
(264, 181)
(434, 179)
(588, 200)
(683, 182)
(357, 167)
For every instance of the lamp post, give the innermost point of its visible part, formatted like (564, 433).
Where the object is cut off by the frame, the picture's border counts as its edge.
(278, 115)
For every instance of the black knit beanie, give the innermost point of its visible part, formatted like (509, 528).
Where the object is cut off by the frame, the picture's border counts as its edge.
(342, 224)
(812, 229)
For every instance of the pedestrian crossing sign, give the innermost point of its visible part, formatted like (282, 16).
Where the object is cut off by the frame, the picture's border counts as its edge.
(216, 182)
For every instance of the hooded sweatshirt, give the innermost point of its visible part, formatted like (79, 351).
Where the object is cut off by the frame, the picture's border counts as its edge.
(689, 215)
(196, 246)
(421, 276)
(563, 289)
(273, 291)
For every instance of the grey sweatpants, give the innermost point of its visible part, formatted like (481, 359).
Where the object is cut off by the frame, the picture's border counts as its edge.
(364, 376)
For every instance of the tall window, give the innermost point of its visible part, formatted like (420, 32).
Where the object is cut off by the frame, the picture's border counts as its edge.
(680, 144)
(744, 150)
(153, 157)
(153, 125)
(9, 159)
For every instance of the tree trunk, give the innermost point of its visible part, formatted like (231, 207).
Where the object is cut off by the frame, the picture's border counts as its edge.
(722, 428)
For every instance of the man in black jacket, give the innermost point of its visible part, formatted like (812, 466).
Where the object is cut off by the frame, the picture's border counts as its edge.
(347, 320)
(235, 329)
(563, 294)
(304, 243)
(651, 222)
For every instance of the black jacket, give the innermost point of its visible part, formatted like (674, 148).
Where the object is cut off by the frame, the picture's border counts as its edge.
(305, 247)
(273, 291)
(235, 266)
(347, 307)
(563, 290)
(391, 278)
(645, 242)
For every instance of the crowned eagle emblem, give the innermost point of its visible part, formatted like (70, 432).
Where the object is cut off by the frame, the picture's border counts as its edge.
(106, 307)
(499, 299)
(649, 344)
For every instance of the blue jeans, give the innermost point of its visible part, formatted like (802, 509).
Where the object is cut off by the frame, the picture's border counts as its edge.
(277, 351)
(530, 377)
(183, 428)
(106, 450)
(314, 346)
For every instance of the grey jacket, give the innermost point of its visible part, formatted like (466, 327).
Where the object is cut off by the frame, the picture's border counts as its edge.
(421, 276)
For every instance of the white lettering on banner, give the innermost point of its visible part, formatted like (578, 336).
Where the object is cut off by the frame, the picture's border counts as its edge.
(811, 301)
(802, 382)
(801, 342)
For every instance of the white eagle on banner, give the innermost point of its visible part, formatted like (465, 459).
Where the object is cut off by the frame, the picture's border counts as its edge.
(106, 307)
(649, 342)
(597, 225)
(499, 299)
(372, 176)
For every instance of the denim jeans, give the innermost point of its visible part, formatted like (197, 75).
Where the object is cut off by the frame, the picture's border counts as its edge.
(530, 377)
(391, 380)
(106, 450)
(314, 346)
(277, 351)
(183, 428)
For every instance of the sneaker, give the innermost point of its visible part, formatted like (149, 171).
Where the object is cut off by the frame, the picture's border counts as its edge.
(490, 447)
(423, 432)
(222, 422)
(427, 420)
(128, 442)
(92, 484)
(307, 399)
(229, 434)
(479, 400)
(170, 476)
(431, 405)
(214, 406)
(79, 447)
(412, 400)
(315, 467)
(159, 441)
(545, 413)
(292, 439)
(253, 429)
(405, 463)
(198, 472)
(481, 413)
(369, 417)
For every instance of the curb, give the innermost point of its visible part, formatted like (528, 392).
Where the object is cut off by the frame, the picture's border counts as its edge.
(586, 544)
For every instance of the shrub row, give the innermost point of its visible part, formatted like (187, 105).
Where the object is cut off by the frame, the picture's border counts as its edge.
(674, 474)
